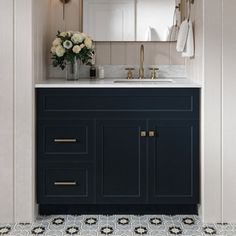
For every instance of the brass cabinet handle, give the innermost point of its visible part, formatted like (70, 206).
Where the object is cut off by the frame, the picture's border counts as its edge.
(143, 134)
(65, 140)
(151, 133)
(73, 183)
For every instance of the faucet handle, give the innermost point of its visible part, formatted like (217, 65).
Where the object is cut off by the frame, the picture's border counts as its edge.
(130, 72)
(154, 72)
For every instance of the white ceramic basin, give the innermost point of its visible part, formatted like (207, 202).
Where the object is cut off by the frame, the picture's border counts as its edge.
(144, 81)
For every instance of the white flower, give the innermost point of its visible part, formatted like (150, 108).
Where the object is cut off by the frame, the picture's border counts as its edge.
(57, 42)
(60, 51)
(63, 34)
(53, 50)
(77, 38)
(88, 42)
(82, 46)
(69, 33)
(67, 44)
(76, 49)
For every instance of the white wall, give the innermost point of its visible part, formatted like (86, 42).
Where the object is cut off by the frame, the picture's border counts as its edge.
(205, 67)
(17, 138)
(24, 194)
(229, 110)
(212, 156)
(219, 111)
(23, 62)
(6, 112)
(214, 65)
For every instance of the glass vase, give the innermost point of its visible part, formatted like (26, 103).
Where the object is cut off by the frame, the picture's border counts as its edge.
(72, 70)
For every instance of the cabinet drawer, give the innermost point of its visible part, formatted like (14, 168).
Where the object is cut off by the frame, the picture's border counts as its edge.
(65, 139)
(65, 184)
(65, 101)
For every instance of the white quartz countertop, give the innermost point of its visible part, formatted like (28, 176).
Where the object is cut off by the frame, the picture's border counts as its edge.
(112, 83)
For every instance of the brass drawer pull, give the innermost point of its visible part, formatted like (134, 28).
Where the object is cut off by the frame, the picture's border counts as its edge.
(65, 183)
(143, 134)
(151, 133)
(65, 140)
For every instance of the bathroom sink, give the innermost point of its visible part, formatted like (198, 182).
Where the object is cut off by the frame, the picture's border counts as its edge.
(144, 81)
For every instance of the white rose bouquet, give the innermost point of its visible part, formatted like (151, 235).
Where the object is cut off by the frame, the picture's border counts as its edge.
(69, 46)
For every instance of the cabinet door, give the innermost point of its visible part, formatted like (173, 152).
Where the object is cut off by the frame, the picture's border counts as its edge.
(121, 161)
(174, 162)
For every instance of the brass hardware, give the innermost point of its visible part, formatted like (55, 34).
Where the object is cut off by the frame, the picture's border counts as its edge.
(141, 69)
(154, 72)
(143, 134)
(151, 133)
(130, 73)
(65, 140)
(74, 183)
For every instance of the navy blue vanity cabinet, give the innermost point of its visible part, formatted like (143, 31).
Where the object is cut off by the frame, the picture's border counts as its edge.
(99, 148)
(173, 176)
(121, 161)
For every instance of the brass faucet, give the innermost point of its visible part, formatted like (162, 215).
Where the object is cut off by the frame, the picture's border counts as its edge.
(141, 69)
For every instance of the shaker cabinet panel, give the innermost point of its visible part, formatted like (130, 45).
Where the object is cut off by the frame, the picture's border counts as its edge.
(121, 164)
(65, 139)
(82, 103)
(65, 184)
(174, 162)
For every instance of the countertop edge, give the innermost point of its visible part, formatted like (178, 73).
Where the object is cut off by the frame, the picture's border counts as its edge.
(120, 86)
(109, 83)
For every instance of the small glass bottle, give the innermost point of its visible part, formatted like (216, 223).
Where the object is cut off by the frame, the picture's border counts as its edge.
(93, 69)
(101, 73)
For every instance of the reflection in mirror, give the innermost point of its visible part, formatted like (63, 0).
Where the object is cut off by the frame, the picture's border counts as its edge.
(131, 20)
(155, 19)
(109, 20)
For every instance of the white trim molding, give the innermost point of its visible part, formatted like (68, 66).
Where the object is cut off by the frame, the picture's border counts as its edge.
(24, 158)
(6, 111)
(17, 177)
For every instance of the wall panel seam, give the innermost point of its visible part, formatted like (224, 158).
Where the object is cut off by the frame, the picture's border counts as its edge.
(14, 111)
(222, 110)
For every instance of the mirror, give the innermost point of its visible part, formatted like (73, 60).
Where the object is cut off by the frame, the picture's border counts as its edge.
(131, 20)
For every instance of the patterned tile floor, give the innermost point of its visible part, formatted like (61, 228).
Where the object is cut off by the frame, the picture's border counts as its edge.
(123, 225)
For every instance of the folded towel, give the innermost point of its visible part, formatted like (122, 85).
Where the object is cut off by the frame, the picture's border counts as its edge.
(182, 36)
(189, 47)
(148, 34)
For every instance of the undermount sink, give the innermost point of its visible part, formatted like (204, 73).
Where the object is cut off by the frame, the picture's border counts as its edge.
(144, 81)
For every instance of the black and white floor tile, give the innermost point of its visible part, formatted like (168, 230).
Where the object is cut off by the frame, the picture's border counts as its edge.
(118, 225)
